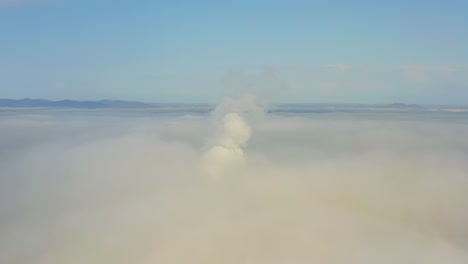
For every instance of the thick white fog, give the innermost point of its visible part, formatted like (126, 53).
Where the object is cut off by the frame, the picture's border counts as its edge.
(237, 186)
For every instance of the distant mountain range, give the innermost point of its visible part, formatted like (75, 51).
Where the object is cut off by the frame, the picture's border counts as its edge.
(73, 104)
(42, 103)
(394, 105)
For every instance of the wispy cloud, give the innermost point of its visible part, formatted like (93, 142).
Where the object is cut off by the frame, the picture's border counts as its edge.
(338, 67)
(415, 73)
(358, 82)
(427, 73)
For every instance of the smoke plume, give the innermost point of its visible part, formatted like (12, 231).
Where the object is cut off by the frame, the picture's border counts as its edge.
(226, 155)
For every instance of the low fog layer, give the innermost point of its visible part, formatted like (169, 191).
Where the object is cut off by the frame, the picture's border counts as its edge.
(236, 186)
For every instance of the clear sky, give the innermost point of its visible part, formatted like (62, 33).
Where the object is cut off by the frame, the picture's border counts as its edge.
(199, 51)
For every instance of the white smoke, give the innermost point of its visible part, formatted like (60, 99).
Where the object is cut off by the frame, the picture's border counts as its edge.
(226, 155)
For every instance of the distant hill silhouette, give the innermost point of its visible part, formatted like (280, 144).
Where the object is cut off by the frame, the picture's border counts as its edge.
(400, 105)
(71, 103)
(306, 108)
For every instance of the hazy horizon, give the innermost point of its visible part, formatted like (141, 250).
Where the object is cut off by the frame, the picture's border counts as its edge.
(213, 104)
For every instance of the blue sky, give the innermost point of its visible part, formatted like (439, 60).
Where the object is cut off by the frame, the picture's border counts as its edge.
(200, 51)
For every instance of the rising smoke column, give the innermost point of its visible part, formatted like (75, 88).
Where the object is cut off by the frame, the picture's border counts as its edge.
(225, 154)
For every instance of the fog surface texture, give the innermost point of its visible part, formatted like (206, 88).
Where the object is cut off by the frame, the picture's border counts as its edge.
(237, 186)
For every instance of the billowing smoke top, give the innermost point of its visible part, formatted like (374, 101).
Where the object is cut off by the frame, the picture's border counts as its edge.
(225, 154)
(246, 105)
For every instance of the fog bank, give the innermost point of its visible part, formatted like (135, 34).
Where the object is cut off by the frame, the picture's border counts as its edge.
(237, 186)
